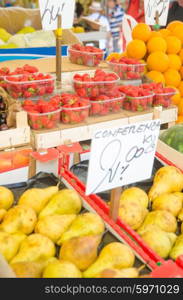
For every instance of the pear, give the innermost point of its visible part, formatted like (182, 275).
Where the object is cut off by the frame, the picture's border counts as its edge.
(9, 244)
(161, 218)
(135, 194)
(54, 226)
(61, 269)
(6, 198)
(37, 198)
(114, 255)
(65, 202)
(168, 179)
(171, 202)
(158, 240)
(19, 218)
(35, 247)
(27, 269)
(180, 215)
(132, 213)
(81, 251)
(2, 214)
(84, 224)
(123, 273)
(177, 250)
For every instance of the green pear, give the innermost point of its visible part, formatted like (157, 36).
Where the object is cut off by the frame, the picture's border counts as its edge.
(114, 255)
(35, 247)
(61, 269)
(54, 226)
(171, 202)
(84, 224)
(37, 198)
(177, 250)
(134, 194)
(10, 243)
(123, 273)
(2, 214)
(6, 198)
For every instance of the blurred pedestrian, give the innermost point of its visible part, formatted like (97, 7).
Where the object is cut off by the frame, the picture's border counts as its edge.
(175, 11)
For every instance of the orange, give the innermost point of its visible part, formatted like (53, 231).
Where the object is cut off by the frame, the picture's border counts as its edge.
(173, 24)
(180, 87)
(172, 77)
(181, 72)
(165, 32)
(181, 55)
(136, 49)
(155, 34)
(113, 55)
(179, 119)
(174, 62)
(156, 44)
(180, 107)
(178, 31)
(141, 32)
(156, 76)
(173, 44)
(158, 61)
(176, 98)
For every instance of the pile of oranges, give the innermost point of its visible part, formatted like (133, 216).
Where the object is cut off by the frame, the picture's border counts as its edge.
(163, 52)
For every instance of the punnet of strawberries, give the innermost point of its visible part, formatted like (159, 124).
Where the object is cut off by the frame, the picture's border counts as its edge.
(74, 108)
(30, 85)
(162, 95)
(127, 68)
(105, 104)
(137, 98)
(93, 86)
(5, 71)
(43, 114)
(85, 55)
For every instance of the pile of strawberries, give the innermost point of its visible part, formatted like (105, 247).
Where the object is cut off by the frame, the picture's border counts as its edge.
(162, 95)
(43, 114)
(101, 83)
(137, 98)
(127, 68)
(85, 55)
(26, 86)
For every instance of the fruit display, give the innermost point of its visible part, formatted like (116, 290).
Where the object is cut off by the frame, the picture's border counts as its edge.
(85, 55)
(127, 68)
(27, 86)
(92, 86)
(173, 137)
(42, 114)
(3, 114)
(137, 98)
(47, 236)
(14, 159)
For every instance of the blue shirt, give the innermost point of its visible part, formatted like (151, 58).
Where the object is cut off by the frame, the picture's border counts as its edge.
(115, 17)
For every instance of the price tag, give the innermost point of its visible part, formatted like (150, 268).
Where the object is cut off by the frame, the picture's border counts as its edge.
(122, 155)
(153, 6)
(50, 9)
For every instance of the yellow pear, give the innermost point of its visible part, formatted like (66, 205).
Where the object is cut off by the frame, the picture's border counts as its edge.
(81, 251)
(2, 214)
(114, 255)
(19, 218)
(35, 247)
(65, 202)
(180, 215)
(84, 224)
(135, 194)
(132, 213)
(171, 202)
(9, 244)
(6, 198)
(54, 226)
(177, 250)
(168, 179)
(123, 273)
(161, 218)
(61, 269)
(27, 269)
(37, 198)
(158, 240)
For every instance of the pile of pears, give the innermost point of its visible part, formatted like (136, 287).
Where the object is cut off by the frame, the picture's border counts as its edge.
(46, 236)
(158, 215)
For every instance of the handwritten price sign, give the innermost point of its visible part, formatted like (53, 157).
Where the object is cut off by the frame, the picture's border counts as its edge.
(153, 6)
(50, 9)
(122, 156)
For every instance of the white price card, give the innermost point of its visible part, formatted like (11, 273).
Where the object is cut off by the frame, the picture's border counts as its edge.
(122, 155)
(50, 9)
(153, 6)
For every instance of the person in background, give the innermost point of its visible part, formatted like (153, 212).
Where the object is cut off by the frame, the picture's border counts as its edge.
(115, 15)
(97, 15)
(175, 11)
(79, 10)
